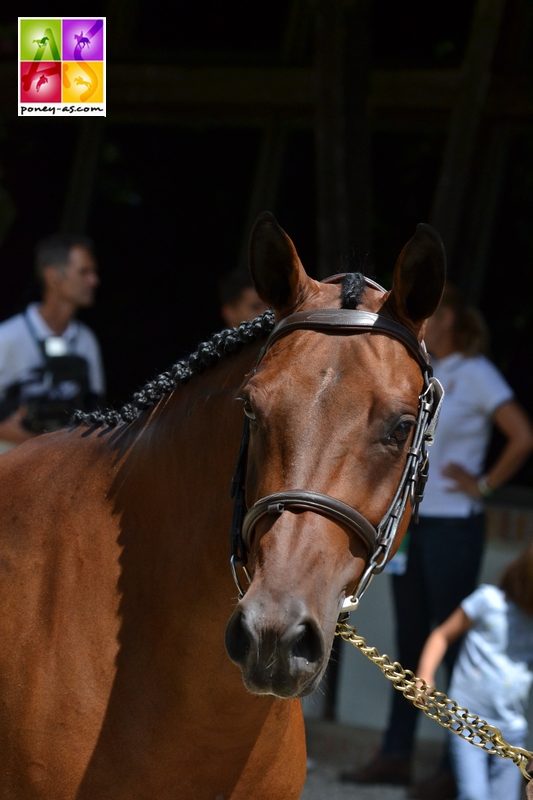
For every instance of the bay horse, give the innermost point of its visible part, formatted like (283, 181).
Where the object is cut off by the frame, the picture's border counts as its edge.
(131, 667)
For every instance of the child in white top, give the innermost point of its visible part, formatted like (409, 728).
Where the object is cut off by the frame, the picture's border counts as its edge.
(492, 676)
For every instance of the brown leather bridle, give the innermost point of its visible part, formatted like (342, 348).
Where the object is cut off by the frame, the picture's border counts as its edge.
(378, 540)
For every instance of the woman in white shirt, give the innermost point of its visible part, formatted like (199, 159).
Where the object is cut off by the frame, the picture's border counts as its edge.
(445, 548)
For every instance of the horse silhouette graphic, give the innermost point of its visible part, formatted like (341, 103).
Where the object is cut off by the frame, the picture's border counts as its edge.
(41, 42)
(80, 82)
(42, 80)
(81, 40)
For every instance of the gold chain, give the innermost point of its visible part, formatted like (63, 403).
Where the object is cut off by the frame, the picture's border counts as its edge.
(438, 706)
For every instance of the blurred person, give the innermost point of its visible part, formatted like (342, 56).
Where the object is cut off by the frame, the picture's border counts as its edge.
(239, 300)
(445, 548)
(492, 676)
(50, 363)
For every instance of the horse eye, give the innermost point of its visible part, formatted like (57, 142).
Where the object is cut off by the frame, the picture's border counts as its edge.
(403, 430)
(400, 433)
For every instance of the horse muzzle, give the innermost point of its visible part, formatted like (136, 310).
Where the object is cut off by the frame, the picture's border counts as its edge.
(285, 658)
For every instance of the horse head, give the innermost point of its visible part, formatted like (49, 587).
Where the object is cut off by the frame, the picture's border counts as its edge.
(334, 414)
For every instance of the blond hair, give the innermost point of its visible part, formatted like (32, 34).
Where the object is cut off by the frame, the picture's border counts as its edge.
(470, 331)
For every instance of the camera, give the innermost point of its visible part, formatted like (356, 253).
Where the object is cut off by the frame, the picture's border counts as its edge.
(51, 393)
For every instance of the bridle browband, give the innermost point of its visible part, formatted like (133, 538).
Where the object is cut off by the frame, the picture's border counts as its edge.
(378, 540)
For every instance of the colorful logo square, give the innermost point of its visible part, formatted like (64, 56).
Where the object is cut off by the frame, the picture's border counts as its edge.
(40, 82)
(62, 69)
(83, 82)
(40, 40)
(83, 40)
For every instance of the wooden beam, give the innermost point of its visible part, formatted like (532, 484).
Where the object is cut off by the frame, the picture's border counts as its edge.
(275, 133)
(342, 133)
(124, 17)
(268, 88)
(483, 205)
(448, 205)
(82, 175)
(240, 95)
(489, 170)
(330, 141)
(357, 72)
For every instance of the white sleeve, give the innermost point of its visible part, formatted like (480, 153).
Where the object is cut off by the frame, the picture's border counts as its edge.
(488, 387)
(8, 374)
(4, 379)
(482, 599)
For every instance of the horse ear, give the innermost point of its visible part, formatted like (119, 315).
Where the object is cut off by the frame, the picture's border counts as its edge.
(277, 272)
(418, 279)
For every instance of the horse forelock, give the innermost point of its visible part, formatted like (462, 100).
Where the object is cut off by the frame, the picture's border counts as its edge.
(208, 353)
(353, 287)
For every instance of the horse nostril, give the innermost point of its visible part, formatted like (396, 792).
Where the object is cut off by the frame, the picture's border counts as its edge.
(308, 644)
(238, 638)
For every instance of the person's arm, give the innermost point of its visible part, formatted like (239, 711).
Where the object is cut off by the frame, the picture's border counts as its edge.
(12, 430)
(438, 642)
(514, 423)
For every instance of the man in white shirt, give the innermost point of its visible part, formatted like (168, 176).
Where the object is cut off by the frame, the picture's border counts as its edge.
(50, 363)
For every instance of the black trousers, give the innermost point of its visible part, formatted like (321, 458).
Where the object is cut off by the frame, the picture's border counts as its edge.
(444, 559)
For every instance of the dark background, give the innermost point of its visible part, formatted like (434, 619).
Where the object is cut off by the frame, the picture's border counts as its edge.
(167, 184)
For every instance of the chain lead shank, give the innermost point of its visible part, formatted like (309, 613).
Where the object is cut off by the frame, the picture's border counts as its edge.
(438, 706)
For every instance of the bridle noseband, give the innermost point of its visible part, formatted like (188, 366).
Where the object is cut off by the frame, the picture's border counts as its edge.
(378, 540)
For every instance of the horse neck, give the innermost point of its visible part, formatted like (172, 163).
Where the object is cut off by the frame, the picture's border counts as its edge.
(173, 491)
(171, 498)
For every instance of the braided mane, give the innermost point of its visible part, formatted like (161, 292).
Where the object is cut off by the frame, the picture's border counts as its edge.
(209, 353)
